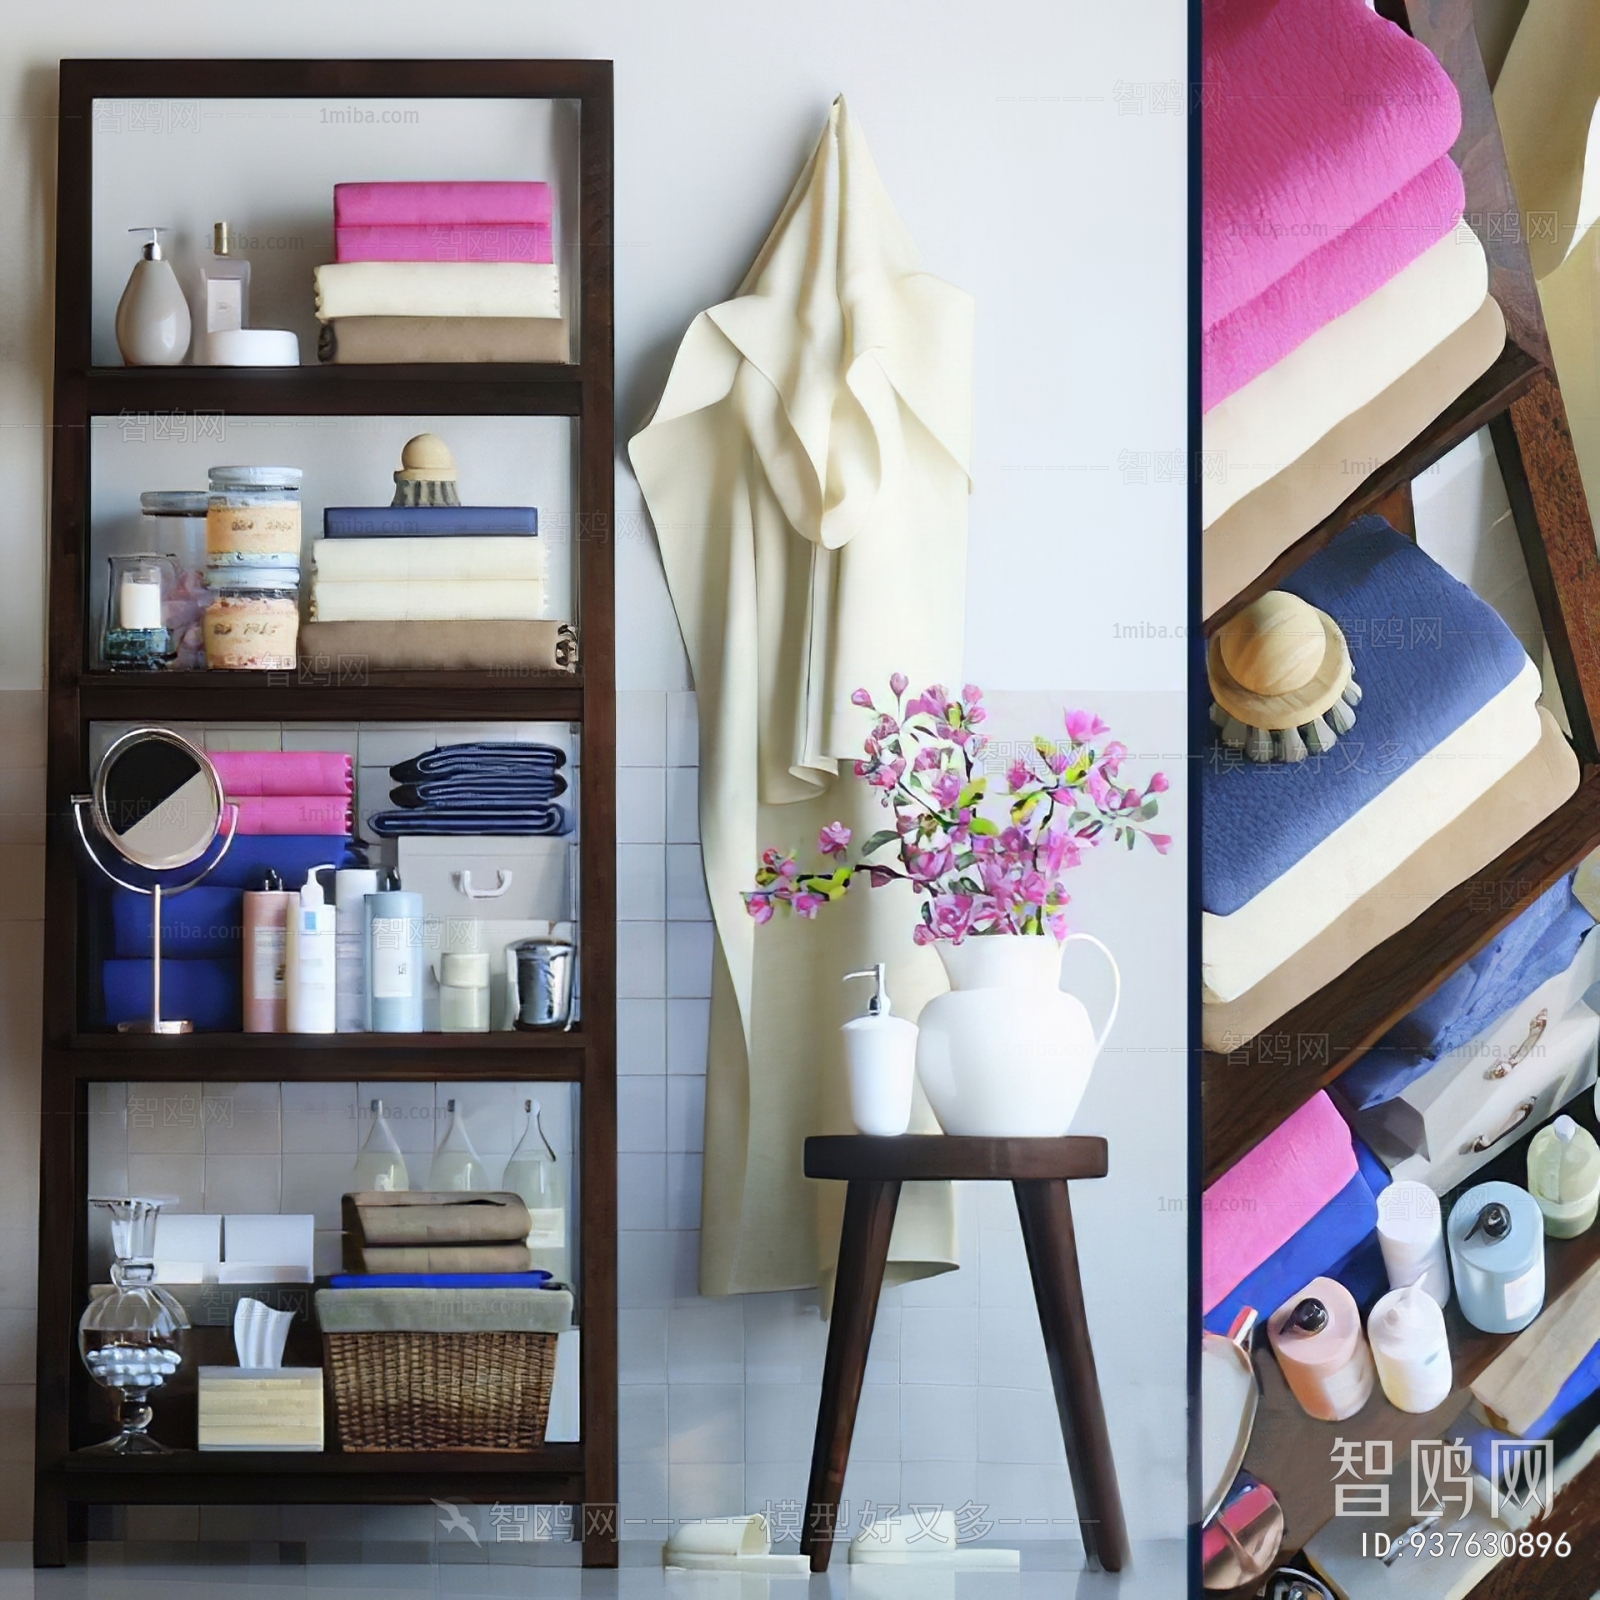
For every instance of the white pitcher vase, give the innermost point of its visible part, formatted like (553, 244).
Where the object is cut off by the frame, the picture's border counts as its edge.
(1007, 1052)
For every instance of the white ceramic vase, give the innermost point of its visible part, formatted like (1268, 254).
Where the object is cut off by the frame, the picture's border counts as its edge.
(1007, 1052)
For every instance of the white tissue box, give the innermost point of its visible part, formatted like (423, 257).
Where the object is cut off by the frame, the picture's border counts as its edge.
(268, 1248)
(481, 877)
(260, 1408)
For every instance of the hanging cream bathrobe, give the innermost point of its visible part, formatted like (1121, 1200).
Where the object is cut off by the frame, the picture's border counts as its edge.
(807, 474)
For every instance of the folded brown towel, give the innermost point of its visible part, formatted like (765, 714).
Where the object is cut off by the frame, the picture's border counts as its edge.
(429, 1217)
(383, 340)
(341, 647)
(437, 1258)
(1520, 1384)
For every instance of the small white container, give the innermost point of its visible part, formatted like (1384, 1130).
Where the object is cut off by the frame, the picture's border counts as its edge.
(880, 1053)
(1411, 1236)
(463, 992)
(1410, 1349)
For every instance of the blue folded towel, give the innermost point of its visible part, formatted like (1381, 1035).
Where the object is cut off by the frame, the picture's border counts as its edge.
(455, 793)
(1428, 654)
(204, 993)
(503, 758)
(540, 820)
(434, 522)
(202, 921)
(1337, 1232)
(439, 1280)
(1585, 1380)
(291, 855)
(1542, 942)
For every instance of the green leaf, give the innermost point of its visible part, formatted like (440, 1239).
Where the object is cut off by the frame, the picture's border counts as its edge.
(1147, 810)
(878, 840)
(972, 794)
(983, 825)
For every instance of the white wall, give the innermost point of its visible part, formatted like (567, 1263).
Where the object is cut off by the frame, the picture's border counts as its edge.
(1036, 152)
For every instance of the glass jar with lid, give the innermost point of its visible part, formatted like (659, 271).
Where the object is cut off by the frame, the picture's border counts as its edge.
(253, 516)
(253, 621)
(135, 637)
(174, 521)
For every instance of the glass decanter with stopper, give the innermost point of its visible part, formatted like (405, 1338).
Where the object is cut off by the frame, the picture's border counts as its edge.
(534, 1174)
(132, 1340)
(455, 1162)
(380, 1164)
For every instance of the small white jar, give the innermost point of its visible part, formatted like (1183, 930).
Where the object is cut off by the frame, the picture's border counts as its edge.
(464, 992)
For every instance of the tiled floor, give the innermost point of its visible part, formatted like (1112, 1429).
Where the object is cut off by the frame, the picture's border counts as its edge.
(1050, 1572)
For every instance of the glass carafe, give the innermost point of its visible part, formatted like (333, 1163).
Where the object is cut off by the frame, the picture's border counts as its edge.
(455, 1162)
(380, 1164)
(534, 1174)
(132, 1339)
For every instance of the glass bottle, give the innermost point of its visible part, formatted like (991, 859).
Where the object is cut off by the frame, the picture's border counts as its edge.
(533, 1173)
(380, 1165)
(224, 289)
(132, 1339)
(455, 1162)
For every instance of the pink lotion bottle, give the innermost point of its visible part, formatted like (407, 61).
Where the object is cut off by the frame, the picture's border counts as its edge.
(266, 923)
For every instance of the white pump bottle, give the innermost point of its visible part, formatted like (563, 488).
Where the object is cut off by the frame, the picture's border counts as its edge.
(880, 1052)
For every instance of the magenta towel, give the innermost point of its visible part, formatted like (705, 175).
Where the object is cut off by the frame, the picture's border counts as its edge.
(1329, 281)
(443, 241)
(293, 813)
(1259, 1204)
(1314, 113)
(283, 772)
(363, 204)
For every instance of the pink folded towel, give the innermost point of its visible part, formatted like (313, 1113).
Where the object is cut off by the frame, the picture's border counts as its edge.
(293, 813)
(1259, 1204)
(283, 772)
(1329, 281)
(1315, 112)
(443, 241)
(360, 204)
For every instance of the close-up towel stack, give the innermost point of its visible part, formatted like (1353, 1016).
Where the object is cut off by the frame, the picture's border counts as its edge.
(1311, 864)
(455, 272)
(448, 1234)
(295, 813)
(1345, 304)
(497, 787)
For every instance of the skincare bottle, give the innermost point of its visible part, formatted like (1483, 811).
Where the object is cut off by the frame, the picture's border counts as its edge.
(1411, 1236)
(463, 992)
(533, 1173)
(1496, 1237)
(1564, 1177)
(393, 941)
(224, 290)
(880, 1052)
(1317, 1339)
(1410, 1350)
(455, 1162)
(380, 1164)
(351, 885)
(308, 960)
(266, 924)
(152, 323)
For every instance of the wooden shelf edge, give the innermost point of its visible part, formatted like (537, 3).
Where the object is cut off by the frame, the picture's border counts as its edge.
(435, 697)
(563, 1459)
(1247, 1094)
(1513, 371)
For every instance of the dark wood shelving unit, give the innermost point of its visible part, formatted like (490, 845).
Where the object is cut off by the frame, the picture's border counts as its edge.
(1244, 1096)
(584, 1474)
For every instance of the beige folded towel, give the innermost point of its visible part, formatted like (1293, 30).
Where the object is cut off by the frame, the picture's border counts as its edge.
(444, 1310)
(433, 1216)
(437, 289)
(481, 558)
(443, 600)
(1518, 1386)
(385, 341)
(487, 646)
(437, 1258)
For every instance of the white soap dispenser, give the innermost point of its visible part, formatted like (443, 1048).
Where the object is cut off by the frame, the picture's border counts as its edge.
(880, 1053)
(153, 324)
(309, 966)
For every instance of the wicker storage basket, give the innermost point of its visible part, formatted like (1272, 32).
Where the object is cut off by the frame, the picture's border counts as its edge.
(440, 1391)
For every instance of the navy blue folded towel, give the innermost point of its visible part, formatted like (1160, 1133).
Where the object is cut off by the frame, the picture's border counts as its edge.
(500, 758)
(434, 522)
(203, 921)
(548, 820)
(455, 794)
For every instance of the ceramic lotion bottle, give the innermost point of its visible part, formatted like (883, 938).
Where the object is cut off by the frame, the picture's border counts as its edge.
(1317, 1339)
(1496, 1235)
(880, 1053)
(153, 325)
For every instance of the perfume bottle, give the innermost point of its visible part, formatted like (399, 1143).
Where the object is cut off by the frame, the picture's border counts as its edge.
(533, 1173)
(153, 324)
(380, 1165)
(224, 290)
(455, 1162)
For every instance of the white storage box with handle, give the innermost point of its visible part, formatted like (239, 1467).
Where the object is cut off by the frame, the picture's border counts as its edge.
(486, 877)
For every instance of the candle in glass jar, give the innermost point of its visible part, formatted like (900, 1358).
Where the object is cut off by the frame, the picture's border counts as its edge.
(139, 600)
(1411, 1236)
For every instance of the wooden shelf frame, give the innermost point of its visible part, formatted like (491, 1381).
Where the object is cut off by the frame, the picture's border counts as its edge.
(582, 1474)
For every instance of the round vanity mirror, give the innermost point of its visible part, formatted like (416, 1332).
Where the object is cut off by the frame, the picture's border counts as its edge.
(157, 799)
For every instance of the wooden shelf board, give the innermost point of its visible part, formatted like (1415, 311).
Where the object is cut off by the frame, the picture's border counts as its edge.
(1245, 1095)
(1504, 382)
(486, 389)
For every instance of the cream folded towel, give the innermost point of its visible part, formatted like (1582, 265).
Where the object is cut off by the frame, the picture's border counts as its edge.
(1519, 1385)
(490, 558)
(437, 289)
(458, 600)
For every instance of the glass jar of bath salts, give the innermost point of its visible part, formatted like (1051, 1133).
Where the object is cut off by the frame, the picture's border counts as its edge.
(253, 516)
(253, 621)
